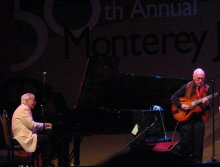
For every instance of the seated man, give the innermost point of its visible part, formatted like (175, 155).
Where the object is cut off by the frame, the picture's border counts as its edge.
(25, 129)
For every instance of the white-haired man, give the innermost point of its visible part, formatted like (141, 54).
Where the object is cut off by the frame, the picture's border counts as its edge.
(192, 130)
(25, 129)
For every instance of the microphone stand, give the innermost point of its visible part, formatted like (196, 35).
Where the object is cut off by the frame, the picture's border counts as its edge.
(43, 102)
(213, 158)
(213, 122)
(140, 134)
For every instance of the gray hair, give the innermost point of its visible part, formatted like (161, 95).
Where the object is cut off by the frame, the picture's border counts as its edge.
(198, 71)
(26, 96)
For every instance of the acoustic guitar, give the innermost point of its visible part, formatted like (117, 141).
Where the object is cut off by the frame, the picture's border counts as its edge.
(194, 106)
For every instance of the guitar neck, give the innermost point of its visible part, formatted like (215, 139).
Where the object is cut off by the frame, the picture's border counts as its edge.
(208, 97)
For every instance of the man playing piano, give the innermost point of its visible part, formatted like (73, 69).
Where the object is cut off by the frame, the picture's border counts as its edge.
(25, 130)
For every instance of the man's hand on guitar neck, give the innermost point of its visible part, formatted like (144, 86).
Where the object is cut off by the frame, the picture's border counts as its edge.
(185, 107)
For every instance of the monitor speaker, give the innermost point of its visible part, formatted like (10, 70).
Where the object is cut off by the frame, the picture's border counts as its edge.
(175, 147)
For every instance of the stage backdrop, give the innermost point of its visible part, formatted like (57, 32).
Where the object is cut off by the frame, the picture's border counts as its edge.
(148, 37)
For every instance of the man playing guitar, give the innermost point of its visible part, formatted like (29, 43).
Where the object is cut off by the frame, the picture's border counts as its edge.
(192, 129)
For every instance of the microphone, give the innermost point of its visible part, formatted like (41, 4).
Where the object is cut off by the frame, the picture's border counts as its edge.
(44, 75)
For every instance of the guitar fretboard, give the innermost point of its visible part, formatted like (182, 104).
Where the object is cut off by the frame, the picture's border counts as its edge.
(208, 97)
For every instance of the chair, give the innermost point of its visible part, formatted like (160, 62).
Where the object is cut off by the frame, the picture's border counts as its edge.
(16, 155)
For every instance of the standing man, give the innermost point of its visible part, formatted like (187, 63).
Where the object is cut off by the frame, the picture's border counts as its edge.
(192, 130)
(25, 129)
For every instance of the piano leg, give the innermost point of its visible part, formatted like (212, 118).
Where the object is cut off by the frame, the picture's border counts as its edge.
(75, 154)
(64, 152)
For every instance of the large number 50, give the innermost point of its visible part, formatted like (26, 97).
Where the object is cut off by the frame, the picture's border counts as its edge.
(41, 29)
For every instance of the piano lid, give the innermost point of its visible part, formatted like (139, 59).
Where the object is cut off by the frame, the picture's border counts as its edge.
(129, 92)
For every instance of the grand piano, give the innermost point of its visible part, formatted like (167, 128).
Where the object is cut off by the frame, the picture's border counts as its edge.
(108, 96)
(106, 106)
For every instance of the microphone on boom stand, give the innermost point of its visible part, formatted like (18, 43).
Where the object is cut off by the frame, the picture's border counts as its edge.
(43, 100)
(213, 158)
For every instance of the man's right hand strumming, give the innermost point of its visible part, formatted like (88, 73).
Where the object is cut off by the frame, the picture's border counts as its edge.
(184, 107)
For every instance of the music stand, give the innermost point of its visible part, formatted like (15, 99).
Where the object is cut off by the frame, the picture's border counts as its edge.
(161, 136)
